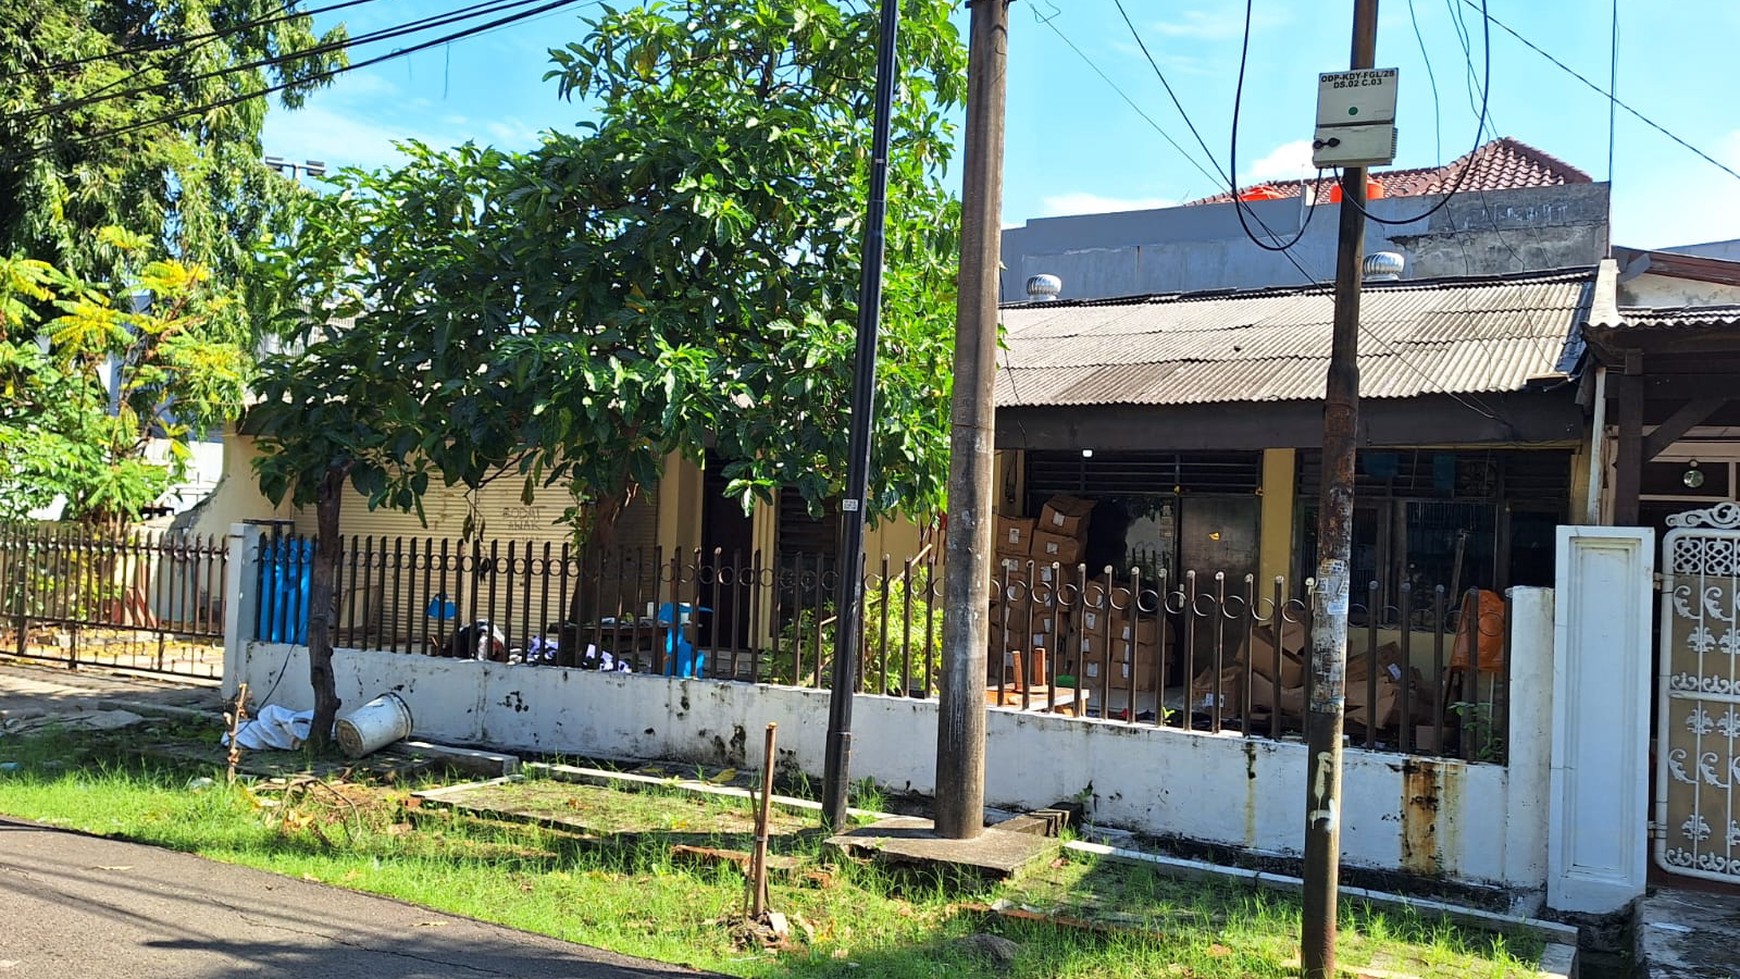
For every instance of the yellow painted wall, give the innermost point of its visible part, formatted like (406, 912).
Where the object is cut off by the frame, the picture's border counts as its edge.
(1579, 483)
(680, 505)
(237, 496)
(1275, 546)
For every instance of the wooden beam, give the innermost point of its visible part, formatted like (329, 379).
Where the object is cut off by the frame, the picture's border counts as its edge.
(1427, 420)
(1658, 387)
(1679, 423)
(1628, 468)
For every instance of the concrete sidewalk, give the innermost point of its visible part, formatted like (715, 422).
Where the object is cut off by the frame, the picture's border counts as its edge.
(77, 906)
(56, 690)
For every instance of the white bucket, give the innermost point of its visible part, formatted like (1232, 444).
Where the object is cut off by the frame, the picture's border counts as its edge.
(374, 725)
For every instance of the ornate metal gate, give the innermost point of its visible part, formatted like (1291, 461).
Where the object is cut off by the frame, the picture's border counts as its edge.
(1698, 766)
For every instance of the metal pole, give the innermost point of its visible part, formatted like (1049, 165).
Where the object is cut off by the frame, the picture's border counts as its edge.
(960, 742)
(849, 596)
(1329, 597)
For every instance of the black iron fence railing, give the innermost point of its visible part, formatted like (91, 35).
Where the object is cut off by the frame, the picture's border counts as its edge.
(141, 600)
(1427, 675)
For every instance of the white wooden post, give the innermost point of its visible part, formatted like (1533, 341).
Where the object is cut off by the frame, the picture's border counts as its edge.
(241, 610)
(1598, 834)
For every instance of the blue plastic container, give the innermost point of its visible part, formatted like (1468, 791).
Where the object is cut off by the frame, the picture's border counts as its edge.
(681, 656)
(285, 565)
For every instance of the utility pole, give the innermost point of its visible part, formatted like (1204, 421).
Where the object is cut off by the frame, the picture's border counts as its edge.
(849, 597)
(960, 736)
(1323, 722)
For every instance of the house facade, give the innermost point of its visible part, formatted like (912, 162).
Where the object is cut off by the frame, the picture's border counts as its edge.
(1515, 209)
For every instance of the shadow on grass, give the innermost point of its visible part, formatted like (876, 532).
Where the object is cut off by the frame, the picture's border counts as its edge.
(870, 920)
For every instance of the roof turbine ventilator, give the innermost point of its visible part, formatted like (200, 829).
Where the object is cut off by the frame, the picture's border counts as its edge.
(1383, 267)
(1044, 287)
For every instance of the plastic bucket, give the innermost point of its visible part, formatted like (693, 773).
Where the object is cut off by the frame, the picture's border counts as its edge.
(374, 725)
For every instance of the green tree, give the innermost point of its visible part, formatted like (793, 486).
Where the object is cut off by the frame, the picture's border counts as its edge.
(691, 257)
(83, 85)
(92, 375)
(391, 377)
(683, 273)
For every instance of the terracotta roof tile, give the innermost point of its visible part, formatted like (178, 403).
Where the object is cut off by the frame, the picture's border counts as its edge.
(1503, 164)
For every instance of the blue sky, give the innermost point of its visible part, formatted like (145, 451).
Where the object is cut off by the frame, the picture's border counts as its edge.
(1075, 145)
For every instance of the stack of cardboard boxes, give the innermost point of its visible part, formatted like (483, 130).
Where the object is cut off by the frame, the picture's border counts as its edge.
(1110, 637)
(1022, 617)
(1284, 692)
(1089, 634)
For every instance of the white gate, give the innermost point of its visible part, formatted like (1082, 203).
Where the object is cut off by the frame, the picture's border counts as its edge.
(1698, 745)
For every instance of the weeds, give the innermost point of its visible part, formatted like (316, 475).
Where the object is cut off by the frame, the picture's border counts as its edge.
(623, 890)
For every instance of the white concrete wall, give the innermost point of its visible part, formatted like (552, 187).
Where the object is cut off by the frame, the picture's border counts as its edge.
(1476, 823)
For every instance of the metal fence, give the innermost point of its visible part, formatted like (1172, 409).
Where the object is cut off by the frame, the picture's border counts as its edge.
(1426, 675)
(142, 600)
(738, 616)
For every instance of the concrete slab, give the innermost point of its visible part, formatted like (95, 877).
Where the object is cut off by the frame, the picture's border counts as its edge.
(1558, 962)
(1689, 935)
(995, 853)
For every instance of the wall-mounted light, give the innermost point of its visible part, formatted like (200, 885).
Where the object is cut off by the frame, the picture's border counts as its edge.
(1693, 477)
(1087, 453)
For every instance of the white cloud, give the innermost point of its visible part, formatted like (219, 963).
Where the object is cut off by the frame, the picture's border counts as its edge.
(338, 137)
(1289, 161)
(1082, 202)
(1219, 26)
(512, 133)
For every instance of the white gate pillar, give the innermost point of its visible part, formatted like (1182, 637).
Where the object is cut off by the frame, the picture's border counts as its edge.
(241, 601)
(1598, 834)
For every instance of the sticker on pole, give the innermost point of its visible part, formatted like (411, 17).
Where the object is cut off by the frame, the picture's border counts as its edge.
(1332, 587)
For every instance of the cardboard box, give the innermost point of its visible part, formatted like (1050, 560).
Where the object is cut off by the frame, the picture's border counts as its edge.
(1265, 698)
(1294, 640)
(1142, 630)
(1066, 515)
(1101, 621)
(1015, 535)
(1049, 547)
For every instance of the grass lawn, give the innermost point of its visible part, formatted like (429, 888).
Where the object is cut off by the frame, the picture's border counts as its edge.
(616, 883)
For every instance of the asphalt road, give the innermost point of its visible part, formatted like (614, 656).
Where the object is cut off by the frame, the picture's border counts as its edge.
(74, 906)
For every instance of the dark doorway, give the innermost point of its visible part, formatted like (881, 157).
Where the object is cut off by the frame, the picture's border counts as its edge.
(727, 547)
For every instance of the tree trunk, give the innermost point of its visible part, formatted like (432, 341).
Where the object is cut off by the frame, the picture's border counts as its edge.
(605, 509)
(323, 605)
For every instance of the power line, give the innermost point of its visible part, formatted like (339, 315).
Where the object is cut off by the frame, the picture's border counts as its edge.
(390, 33)
(1232, 177)
(1606, 94)
(1479, 133)
(1613, 87)
(1432, 78)
(325, 73)
(1239, 206)
(285, 12)
(1051, 23)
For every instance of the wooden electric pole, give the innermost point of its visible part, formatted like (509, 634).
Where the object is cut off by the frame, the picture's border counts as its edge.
(960, 737)
(1329, 598)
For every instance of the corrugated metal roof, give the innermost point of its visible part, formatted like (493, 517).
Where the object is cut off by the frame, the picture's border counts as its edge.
(1677, 318)
(1460, 335)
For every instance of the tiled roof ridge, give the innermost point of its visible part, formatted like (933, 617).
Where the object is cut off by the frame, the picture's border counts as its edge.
(1421, 181)
(1204, 295)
